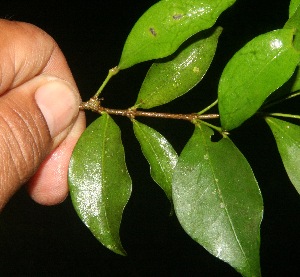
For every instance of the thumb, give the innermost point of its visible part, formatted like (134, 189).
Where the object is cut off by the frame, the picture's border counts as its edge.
(34, 118)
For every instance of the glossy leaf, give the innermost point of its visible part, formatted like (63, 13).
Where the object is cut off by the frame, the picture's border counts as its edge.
(166, 25)
(170, 79)
(218, 202)
(100, 185)
(294, 4)
(256, 71)
(294, 23)
(159, 153)
(287, 136)
(296, 84)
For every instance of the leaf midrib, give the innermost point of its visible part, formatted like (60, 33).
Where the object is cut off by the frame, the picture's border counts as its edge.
(222, 199)
(103, 166)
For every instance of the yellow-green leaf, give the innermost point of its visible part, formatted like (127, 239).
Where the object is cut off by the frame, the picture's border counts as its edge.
(100, 185)
(218, 202)
(166, 25)
(169, 79)
(287, 136)
(296, 84)
(294, 4)
(294, 23)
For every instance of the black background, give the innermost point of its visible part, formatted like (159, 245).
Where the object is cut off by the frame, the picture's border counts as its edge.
(51, 241)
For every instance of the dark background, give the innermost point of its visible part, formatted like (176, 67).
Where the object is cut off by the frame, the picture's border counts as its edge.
(52, 241)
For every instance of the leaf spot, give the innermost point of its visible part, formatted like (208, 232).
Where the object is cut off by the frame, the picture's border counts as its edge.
(196, 69)
(177, 16)
(153, 32)
(222, 205)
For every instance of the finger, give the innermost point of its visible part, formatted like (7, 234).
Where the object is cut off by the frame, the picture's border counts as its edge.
(49, 184)
(27, 51)
(32, 124)
(32, 52)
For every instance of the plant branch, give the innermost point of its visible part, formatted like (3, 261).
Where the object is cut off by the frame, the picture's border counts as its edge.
(94, 105)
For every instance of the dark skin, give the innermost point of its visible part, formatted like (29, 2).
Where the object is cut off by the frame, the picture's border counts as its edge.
(40, 121)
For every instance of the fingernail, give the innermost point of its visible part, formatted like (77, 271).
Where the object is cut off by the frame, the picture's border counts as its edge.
(58, 104)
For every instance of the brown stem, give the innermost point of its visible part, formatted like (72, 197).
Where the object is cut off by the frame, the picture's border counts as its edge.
(94, 105)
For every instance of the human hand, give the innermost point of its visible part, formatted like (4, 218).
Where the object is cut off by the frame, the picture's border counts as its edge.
(40, 121)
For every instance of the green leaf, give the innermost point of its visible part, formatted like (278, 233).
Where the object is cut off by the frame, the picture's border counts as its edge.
(218, 202)
(296, 84)
(293, 7)
(256, 71)
(100, 185)
(160, 155)
(166, 25)
(294, 23)
(167, 80)
(287, 136)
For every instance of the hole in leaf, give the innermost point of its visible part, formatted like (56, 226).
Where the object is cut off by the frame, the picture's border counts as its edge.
(216, 137)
